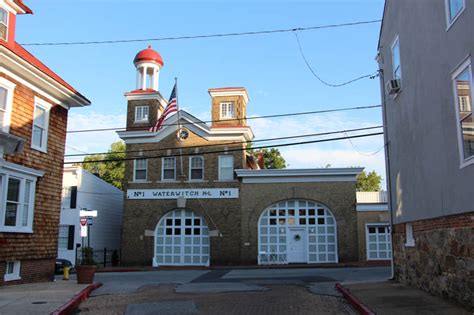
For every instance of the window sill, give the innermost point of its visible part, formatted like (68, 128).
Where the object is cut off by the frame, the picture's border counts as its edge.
(226, 181)
(467, 162)
(140, 182)
(167, 181)
(11, 278)
(197, 181)
(141, 122)
(13, 229)
(410, 243)
(43, 150)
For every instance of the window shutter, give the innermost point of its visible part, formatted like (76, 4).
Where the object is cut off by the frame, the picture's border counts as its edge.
(70, 238)
(73, 197)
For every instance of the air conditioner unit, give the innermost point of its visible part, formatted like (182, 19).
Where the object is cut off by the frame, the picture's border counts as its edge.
(393, 86)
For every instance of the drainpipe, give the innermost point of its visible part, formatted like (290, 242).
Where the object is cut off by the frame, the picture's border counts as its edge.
(387, 158)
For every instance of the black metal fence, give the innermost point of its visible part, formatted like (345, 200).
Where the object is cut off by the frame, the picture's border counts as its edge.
(102, 257)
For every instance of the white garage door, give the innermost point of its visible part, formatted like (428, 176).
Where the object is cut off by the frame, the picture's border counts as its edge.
(379, 246)
(297, 231)
(181, 239)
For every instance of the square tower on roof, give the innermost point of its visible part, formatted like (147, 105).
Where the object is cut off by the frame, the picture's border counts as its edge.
(229, 106)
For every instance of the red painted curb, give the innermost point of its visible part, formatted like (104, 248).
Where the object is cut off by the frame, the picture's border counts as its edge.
(73, 303)
(361, 308)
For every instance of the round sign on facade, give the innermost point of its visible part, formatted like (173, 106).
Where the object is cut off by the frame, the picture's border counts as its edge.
(83, 221)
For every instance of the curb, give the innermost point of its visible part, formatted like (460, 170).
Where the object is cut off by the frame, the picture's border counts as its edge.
(74, 302)
(359, 306)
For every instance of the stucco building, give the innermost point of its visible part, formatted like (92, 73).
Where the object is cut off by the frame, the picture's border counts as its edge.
(195, 197)
(425, 54)
(34, 105)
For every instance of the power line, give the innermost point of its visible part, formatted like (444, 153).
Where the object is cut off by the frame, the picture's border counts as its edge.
(363, 153)
(230, 150)
(237, 119)
(234, 143)
(117, 41)
(372, 75)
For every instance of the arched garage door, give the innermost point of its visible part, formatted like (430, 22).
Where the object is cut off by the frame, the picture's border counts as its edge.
(181, 239)
(297, 231)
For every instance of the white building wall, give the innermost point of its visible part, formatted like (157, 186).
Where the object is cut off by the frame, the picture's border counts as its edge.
(95, 194)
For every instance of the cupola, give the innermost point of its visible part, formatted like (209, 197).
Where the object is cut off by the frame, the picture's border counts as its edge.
(148, 63)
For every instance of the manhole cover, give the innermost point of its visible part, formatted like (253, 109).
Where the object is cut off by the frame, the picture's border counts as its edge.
(40, 302)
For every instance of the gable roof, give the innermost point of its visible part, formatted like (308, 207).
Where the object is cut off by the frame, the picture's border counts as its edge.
(25, 8)
(191, 123)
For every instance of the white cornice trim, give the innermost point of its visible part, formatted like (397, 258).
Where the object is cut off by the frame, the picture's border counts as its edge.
(230, 92)
(146, 96)
(12, 63)
(307, 175)
(371, 207)
(20, 168)
(194, 125)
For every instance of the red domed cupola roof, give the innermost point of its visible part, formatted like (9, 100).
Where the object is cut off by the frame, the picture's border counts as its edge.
(148, 54)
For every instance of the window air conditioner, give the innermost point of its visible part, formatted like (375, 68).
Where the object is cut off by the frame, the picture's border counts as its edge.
(393, 86)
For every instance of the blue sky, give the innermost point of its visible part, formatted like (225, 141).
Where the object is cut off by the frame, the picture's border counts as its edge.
(269, 66)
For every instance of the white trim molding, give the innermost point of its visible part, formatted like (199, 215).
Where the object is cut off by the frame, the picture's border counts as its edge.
(15, 274)
(230, 92)
(10, 88)
(307, 175)
(450, 21)
(44, 105)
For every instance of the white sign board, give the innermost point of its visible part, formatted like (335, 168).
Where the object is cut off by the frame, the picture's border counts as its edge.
(88, 213)
(83, 230)
(210, 193)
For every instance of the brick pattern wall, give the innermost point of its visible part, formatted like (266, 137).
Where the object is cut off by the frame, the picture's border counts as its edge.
(41, 245)
(36, 270)
(339, 197)
(143, 215)
(153, 107)
(442, 261)
(364, 217)
(240, 109)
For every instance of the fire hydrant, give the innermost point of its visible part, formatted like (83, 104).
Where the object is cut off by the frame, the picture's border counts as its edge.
(66, 272)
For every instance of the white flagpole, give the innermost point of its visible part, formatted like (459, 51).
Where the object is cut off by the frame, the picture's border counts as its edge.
(179, 128)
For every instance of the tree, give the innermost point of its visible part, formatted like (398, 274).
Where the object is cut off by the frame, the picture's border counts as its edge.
(112, 172)
(272, 158)
(368, 181)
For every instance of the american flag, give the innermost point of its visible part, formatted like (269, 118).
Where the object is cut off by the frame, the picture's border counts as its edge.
(170, 108)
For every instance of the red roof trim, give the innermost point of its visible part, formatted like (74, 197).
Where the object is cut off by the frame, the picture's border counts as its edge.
(21, 52)
(228, 89)
(23, 6)
(139, 91)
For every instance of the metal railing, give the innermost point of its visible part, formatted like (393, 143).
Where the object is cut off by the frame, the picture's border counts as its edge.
(371, 197)
(102, 257)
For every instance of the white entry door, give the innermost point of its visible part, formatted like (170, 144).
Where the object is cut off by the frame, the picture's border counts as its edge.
(297, 245)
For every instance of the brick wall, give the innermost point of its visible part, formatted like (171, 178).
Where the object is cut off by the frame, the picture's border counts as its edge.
(41, 245)
(339, 197)
(364, 217)
(442, 261)
(239, 107)
(153, 107)
(36, 270)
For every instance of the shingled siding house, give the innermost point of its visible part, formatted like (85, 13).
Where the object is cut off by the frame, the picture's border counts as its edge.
(34, 104)
(425, 53)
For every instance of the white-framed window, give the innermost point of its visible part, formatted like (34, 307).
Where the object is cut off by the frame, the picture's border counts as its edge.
(226, 167)
(463, 93)
(378, 241)
(39, 140)
(17, 195)
(63, 236)
(140, 170)
(12, 271)
(410, 240)
(6, 102)
(196, 168)
(3, 24)
(168, 168)
(227, 110)
(454, 8)
(396, 67)
(141, 113)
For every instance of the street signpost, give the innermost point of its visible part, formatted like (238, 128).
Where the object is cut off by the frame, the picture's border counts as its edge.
(86, 219)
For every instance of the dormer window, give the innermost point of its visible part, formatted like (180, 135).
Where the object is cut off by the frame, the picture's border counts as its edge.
(3, 24)
(227, 110)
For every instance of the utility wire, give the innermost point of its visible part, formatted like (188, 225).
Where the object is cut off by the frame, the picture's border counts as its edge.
(234, 143)
(229, 150)
(363, 153)
(118, 41)
(236, 119)
(372, 75)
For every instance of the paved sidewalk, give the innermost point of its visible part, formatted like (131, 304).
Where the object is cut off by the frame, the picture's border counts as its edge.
(37, 298)
(391, 297)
